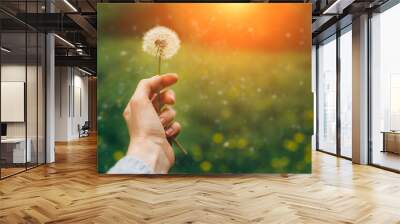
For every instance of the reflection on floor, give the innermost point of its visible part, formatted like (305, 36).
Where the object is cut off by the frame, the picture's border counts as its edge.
(387, 159)
(9, 170)
(71, 191)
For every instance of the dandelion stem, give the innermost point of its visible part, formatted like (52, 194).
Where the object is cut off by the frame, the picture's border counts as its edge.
(159, 107)
(158, 91)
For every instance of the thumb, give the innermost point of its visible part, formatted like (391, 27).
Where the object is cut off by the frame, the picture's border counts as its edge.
(147, 87)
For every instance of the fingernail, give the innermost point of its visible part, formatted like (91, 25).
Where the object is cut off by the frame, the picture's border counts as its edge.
(169, 131)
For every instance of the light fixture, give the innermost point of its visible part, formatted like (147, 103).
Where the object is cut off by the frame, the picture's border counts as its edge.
(79, 51)
(84, 71)
(337, 7)
(70, 5)
(5, 50)
(65, 41)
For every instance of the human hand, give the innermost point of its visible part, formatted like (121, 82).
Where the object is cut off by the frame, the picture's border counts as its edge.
(149, 130)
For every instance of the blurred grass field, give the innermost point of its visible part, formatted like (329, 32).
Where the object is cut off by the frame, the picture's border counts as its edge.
(241, 112)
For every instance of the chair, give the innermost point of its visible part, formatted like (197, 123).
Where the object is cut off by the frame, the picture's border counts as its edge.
(84, 130)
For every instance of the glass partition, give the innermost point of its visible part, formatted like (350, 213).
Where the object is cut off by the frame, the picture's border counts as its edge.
(14, 153)
(327, 95)
(23, 91)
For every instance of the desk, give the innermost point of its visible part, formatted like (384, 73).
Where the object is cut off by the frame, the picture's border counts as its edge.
(13, 150)
(391, 141)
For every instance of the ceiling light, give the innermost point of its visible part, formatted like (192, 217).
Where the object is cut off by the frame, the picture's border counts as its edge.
(65, 41)
(84, 71)
(337, 7)
(5, 50)
(70, 5)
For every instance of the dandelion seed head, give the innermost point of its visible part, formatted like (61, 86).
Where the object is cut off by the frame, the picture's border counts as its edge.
(161, 42)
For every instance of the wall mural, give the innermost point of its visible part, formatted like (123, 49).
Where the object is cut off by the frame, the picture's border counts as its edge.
(189, 88)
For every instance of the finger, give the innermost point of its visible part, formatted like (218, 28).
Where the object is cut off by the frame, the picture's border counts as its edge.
(173, 130)
(147, 87)
(167, 97)
(167, 116)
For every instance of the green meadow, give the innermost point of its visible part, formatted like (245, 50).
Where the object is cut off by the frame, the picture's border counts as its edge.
(240, 111)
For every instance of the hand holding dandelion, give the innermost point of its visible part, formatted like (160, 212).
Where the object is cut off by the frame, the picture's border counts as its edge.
(148, 130)
(163, 43)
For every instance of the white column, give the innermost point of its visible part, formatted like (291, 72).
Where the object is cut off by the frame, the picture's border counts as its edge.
(360, 90)
(50, 94)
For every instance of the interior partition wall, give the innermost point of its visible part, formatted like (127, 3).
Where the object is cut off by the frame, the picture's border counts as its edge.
(22, 88)
(385, 89)
(334, 94)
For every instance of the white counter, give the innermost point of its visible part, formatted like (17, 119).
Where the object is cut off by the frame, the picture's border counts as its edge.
(19, 155)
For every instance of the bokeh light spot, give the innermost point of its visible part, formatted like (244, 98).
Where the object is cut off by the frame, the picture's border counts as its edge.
(118, 154)
(205, 166)
(299, 137)
(218, 138)
(290, 145)
(242, 143)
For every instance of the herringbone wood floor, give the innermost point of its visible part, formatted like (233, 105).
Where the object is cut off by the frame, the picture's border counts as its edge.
(70, 191)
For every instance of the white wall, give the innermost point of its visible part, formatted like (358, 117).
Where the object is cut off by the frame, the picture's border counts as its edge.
(34, 125)
(70, 83)
(80, 100)
(12, 73)
(62, 81)
(314, 91)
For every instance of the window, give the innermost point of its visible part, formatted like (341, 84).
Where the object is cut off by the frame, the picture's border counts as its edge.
(385, 89)
(327, 95)
(346, 92)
